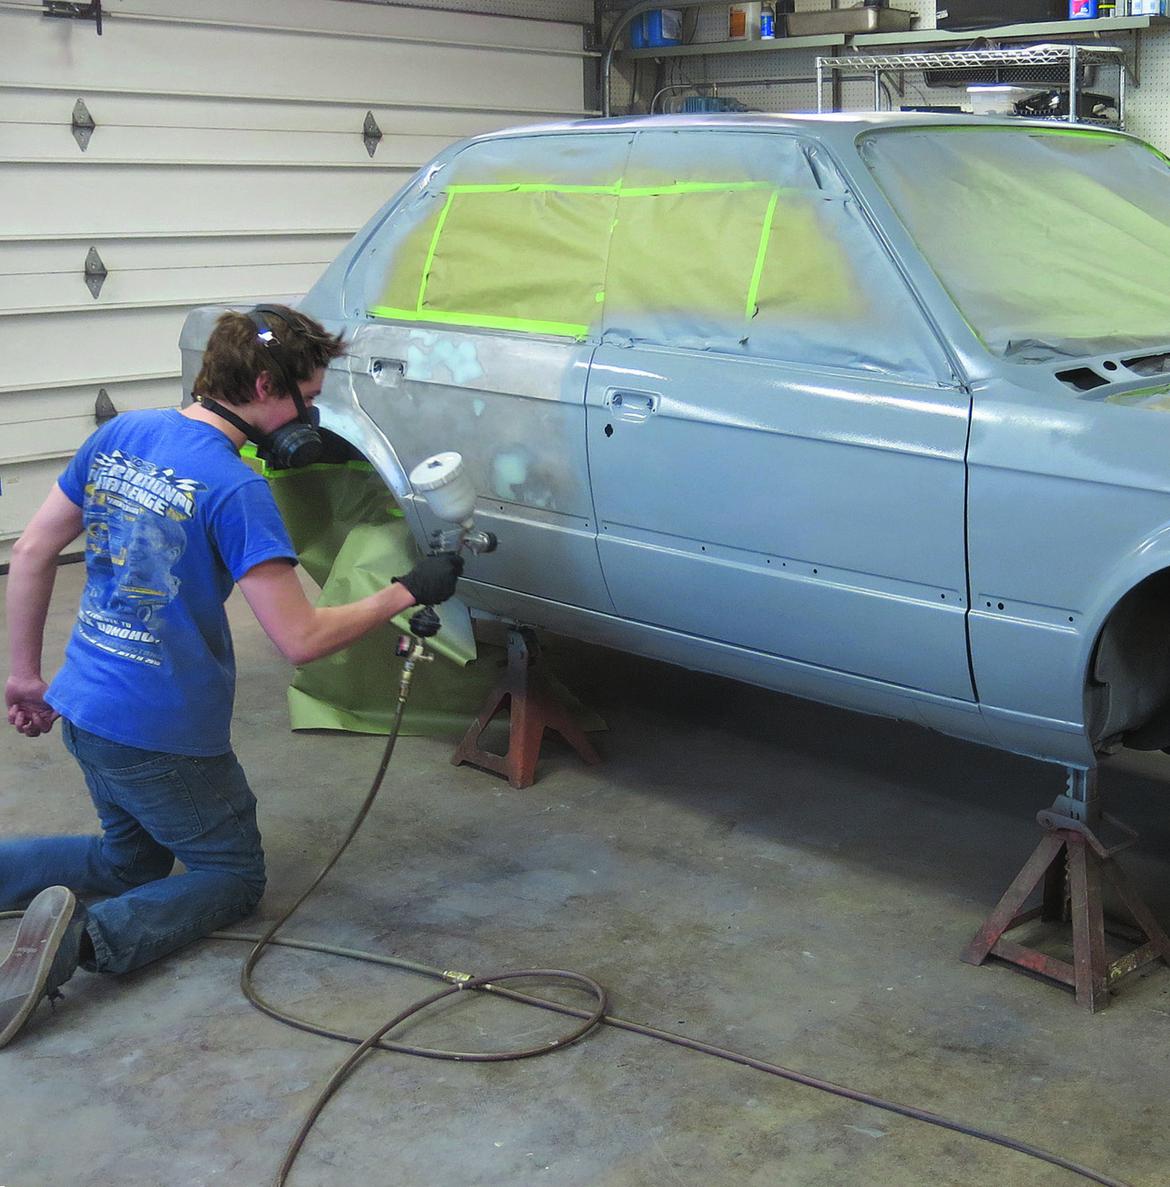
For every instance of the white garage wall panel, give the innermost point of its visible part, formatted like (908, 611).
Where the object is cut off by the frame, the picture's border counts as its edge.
(227, 164)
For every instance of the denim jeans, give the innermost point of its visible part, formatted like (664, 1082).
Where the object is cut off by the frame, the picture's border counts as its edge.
(153, 808)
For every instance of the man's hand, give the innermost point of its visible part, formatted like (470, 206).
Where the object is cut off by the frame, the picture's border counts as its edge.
(28, 710)
(433, 579)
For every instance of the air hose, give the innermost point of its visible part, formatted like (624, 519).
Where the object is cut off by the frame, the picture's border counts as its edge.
(497, 984)
(413, 651)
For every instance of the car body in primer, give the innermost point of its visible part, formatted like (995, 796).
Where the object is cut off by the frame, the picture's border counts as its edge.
(870, 410)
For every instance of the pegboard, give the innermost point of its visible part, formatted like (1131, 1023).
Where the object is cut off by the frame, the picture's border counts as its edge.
(1148, 104)
(750, 70)
(747, 76)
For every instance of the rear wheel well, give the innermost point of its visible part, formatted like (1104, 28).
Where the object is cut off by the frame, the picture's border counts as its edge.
(1127, 691)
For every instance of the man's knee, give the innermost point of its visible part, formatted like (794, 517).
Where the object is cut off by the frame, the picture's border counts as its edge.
(252, 898)
(254, 880)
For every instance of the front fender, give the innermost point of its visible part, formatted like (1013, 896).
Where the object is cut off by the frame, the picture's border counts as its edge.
(1125, 660)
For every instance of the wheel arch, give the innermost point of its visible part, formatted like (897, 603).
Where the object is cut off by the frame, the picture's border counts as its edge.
(1127, 678)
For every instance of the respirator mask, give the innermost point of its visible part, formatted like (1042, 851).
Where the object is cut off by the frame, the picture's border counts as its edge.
(297, 443)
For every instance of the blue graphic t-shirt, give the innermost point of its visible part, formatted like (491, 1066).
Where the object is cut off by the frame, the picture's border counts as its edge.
(173, 518)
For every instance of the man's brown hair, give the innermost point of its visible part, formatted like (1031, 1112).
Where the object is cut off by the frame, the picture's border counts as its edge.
(235, 355)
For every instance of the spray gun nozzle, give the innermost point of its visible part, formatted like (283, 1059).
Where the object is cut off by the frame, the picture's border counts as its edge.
(456, 539)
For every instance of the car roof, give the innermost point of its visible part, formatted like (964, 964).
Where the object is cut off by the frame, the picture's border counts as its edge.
(834, 126)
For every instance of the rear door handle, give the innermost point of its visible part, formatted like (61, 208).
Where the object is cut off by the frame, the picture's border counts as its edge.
(387, 372)
(632, 406)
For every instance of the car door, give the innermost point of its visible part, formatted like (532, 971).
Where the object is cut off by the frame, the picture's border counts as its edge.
(480, 300)
(775, 440)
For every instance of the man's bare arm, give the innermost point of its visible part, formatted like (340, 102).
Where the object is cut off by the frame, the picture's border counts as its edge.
(31, 575)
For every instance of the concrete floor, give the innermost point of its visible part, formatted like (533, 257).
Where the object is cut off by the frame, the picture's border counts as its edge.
(770, 875)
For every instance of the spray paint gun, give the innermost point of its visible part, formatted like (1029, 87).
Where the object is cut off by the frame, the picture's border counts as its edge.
(444, 483)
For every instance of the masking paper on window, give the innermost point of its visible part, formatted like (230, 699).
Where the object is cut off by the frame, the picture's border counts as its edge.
(670, 157)
(807, 273)
(683, 260)
(693, 224)
(756, 253)
(532, 257)
(829, 292)
(1051, 242)
(404, 276)
(408, 273)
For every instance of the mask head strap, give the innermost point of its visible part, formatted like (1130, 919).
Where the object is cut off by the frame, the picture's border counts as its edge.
(267, 338)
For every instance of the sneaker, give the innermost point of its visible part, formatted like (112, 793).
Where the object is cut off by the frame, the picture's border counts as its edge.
(43, 958)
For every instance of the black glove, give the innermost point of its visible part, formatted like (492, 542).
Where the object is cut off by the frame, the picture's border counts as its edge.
(433, 579)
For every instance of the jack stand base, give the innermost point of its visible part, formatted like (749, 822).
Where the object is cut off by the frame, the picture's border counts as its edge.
(534, 707)
(1072, 895)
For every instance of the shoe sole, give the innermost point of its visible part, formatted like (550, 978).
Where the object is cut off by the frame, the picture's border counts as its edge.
(25, 969)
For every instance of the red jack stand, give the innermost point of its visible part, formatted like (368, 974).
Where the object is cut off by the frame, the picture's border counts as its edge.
(1072, 894)
(534, 707)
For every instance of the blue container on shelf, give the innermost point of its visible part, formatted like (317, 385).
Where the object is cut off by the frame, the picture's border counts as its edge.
(660, 26)
(1082, 10)
(664, 26)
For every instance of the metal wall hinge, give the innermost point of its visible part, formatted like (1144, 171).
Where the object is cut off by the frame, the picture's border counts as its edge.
(95, 271)
(371, 133)
(83, 124)
(75, 12)
(103, 408)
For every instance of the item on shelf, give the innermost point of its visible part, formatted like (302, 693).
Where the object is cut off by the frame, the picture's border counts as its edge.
(863, 18)
(1054, 105)
(997, 100)
(1014, 65)
(659, 26)
(743, 22)
(702, 104)
(1148, 7)
(1082, 10)
(986, 14)
(767, 21)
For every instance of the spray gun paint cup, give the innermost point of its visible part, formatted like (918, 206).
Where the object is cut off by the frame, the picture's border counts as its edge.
(445, 484)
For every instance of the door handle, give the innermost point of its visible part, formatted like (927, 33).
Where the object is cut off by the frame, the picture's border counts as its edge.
(387, 372)
(632, 406)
